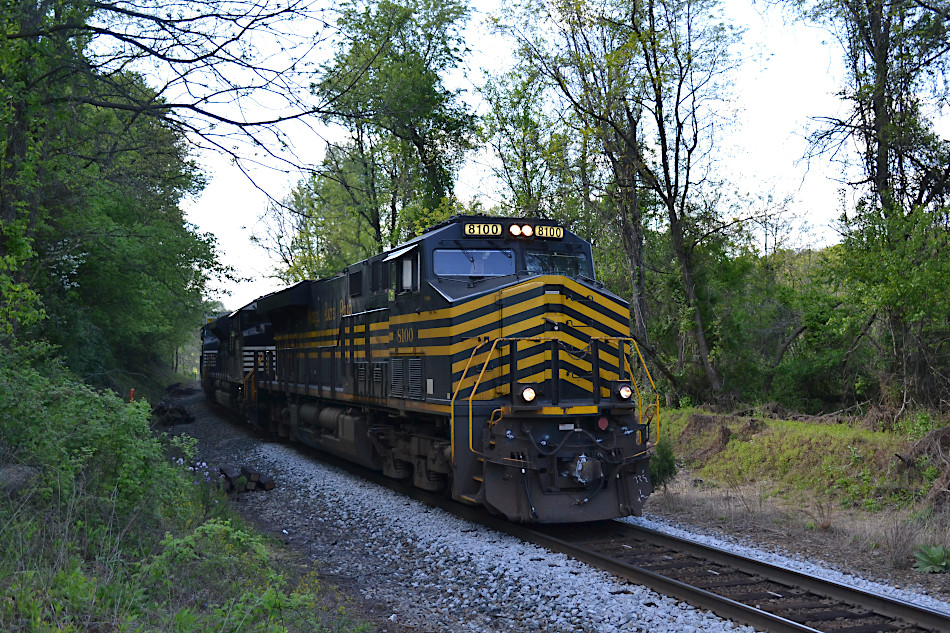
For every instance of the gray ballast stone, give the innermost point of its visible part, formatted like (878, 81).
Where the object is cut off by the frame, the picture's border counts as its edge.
(436, 572)
(14, 478)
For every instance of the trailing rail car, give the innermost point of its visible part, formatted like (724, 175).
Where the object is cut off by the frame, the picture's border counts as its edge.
(481, 359)
(232, 347)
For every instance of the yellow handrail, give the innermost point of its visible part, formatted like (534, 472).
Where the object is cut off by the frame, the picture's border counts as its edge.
(653, 386)
(456, 393)
(246, 378)
(515, 340)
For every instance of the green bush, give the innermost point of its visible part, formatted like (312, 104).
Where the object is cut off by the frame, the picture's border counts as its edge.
(114, 534)
(917, 424)
(662, 464)
(932, 560)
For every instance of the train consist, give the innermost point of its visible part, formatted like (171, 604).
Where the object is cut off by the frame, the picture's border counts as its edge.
(481, 359)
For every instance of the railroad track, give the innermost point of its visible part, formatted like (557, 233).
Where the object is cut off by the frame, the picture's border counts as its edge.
(741, 589)
(734, 587)
(738, 588)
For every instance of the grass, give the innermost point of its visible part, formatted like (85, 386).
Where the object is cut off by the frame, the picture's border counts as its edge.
(843, 464)
(866, 488)
(111, 532)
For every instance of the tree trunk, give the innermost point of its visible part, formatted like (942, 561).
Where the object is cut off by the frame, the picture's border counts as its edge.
(692, 302)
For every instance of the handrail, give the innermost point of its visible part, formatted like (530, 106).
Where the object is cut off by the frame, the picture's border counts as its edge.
(246, 378)
(653, 386)
(623, 361)
(455, 394)
(471, 396)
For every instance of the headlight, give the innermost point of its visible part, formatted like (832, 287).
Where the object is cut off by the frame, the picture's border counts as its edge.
(625, 392)
(518, 230)
(528, 394)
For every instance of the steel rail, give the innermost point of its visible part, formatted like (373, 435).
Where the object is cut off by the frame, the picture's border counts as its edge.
(695, 596)
(883, 605)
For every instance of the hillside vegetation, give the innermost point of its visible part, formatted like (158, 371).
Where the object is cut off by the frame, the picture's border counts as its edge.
(842, 461)
(107, 526)
(882, 487)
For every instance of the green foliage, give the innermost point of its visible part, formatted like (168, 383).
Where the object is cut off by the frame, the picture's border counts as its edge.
(894, 274)
(19, 304)
(854, 466)
(78, 436)
(539, 158)
(405, 135)
(332, 224)
(125, 271)
(109, 533)
(391, 64)
(92, 236)
(662, 464)
(183, 572)
(932, 559)
(917, 424)
(896, 277)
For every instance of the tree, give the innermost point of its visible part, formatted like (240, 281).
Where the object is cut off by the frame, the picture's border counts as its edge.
(94, 164)
(334, 219)
(537, 149)
(385, 85)
(120, 274)
(642, 78)
(895, 239)
(64, 55)
(404, 135)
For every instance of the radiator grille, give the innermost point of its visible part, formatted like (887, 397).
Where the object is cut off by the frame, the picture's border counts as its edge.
(415, 378)
(399, 385)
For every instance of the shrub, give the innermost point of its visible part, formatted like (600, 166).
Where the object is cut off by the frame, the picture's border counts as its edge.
(932, 559)
(113, 534)
(662, 464)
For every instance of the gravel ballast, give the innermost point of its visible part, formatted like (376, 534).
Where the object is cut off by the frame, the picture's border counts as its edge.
(413, 568)
(447, 574)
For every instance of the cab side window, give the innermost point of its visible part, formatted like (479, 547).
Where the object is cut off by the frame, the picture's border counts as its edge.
(406, 273)
(380, 276)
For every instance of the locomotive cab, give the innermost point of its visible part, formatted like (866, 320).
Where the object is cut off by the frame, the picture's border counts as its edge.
(503, 321)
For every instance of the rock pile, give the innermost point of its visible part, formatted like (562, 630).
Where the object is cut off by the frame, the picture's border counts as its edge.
(244, 479)
(167, 414)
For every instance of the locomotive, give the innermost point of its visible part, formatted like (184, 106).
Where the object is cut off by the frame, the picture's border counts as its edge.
(481, 359)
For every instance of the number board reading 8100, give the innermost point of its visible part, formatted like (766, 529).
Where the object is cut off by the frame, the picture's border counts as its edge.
(549, 231)
(493, 230)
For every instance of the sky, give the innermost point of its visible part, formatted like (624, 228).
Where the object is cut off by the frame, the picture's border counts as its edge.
(790, 75)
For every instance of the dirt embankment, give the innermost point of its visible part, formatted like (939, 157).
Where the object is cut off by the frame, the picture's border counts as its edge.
(720, 488)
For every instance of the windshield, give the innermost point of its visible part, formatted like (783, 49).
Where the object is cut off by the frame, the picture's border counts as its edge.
(570, 264)
(472, 262)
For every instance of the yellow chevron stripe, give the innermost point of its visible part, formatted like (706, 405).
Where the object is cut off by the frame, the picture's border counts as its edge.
(480, 358)
(502, 370)
(476, 304)
(464, 326)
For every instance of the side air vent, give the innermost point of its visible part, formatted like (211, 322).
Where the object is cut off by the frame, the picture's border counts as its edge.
(399, 384)
(415, 378)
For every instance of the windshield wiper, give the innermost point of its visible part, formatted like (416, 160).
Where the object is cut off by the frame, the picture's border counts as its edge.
(506, 252)
(465, 252)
